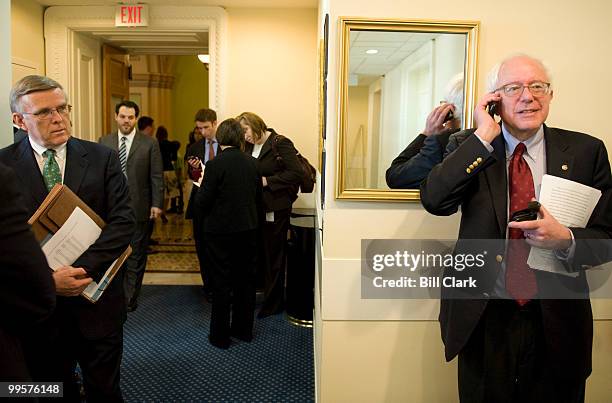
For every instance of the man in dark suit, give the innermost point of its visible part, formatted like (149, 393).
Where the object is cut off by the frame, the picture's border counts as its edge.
(27, 291)
(91, 334)
(230, 204)
(201, 151)
(412, 165)
(141, 164)
(513, 346)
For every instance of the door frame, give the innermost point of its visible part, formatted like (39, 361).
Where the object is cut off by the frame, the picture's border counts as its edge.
(62, 22)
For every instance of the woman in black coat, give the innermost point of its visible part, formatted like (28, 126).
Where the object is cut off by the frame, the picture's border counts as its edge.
(281, 173)
(229, 200)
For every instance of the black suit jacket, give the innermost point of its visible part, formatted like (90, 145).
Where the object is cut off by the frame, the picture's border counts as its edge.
(230, 197)
(408, 169)
(283, 177)
(93, 173)
(27, 291)
(482, 195)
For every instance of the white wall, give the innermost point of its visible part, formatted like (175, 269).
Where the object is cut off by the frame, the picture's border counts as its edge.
(6, 131)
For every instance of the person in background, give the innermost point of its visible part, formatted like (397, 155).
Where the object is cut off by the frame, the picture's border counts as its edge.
(281, 175)
(168, 151)
(141, 164)
(199, 152)
(229, 202)
(414, 163)
(146, 125)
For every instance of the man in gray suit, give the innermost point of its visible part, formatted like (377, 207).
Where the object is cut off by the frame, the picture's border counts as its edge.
(141, 163)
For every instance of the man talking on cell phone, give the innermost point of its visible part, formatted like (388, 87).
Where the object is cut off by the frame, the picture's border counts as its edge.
(513, 345)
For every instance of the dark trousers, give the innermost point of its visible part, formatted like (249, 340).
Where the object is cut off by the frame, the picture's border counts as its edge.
(505, 360)
(136, 264)
(61, 344)
(232, 260)
(200, 252)
(275, 264)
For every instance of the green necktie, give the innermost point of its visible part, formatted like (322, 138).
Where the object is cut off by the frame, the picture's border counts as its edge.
(51, 170)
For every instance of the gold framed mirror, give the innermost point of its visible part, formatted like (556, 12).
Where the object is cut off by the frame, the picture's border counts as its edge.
(393, 73)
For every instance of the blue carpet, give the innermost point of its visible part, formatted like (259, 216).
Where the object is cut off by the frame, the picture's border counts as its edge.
(167, 356)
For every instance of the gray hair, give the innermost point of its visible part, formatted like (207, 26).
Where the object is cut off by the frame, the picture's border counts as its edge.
(30, 84)
(493, 75)
(454, 94)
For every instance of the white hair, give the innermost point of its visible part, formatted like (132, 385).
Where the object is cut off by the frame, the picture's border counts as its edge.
(454, 94)
(493, 75)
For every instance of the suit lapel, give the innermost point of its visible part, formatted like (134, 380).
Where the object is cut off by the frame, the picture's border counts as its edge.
(559, 162)
(28, 172)
(76, 165)
(267, 146)
(498, 183)
(135, 144)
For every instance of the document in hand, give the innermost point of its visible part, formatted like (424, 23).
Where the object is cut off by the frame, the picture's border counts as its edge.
(66, 227)
(572, 204)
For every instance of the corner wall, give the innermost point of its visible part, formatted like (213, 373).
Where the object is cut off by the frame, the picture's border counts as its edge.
(390, 350)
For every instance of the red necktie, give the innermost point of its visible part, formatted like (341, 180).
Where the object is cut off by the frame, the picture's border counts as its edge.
(211, 150)
(520, 279)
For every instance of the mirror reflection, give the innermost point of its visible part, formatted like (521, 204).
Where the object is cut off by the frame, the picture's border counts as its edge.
(403, 83)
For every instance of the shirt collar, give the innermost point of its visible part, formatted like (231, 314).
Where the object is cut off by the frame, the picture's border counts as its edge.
(60, 151)
(534, 144)
(129, 136)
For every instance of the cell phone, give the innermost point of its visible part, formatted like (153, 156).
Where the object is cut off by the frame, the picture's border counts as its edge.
(450, 116)
(528, 214)
(492, 108)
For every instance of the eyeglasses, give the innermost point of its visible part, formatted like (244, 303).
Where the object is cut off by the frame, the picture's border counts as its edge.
(47, 114)
(537, 89)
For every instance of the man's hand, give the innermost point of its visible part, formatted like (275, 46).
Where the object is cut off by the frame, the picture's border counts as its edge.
(70, 281)
(194, 162)
(155, 213)
(546, 232)
(435, 120)
(487, 128)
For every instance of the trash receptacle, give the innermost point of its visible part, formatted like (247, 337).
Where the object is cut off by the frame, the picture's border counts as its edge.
(300, 268)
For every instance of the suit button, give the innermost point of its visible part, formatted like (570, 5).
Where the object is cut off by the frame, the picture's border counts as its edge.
(499, 258)
(468, 170)
(475, 163)
(479, 160)
(472, 166)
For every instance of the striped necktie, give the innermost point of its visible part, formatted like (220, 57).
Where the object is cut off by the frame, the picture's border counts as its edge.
(51, 170)
(123, 155)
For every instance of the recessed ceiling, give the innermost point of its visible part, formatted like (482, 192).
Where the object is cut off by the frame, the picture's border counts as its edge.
(144, 41)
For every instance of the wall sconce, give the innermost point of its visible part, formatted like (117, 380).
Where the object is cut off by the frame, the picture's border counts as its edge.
(204, 59)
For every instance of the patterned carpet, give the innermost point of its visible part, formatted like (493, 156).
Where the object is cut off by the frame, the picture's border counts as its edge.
(174, 251)
(167, 357)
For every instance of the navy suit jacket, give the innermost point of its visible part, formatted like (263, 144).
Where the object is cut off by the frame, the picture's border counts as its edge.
(94, 174)
(27, 291)
(482, 195)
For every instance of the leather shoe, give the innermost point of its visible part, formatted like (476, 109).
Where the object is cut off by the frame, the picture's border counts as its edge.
(132, 306)
(222, 344)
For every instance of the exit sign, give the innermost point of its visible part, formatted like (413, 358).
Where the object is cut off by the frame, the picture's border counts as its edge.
(132, 15)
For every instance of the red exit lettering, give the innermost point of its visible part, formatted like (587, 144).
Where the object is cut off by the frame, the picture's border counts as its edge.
(131, 14)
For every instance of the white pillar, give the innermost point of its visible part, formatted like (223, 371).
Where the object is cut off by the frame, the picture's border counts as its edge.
(6, 127)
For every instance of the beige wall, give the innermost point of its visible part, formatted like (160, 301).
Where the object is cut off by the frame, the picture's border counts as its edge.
(357, 136)
(273, 72)
(189, 94)
(390, 350)
(27, 39)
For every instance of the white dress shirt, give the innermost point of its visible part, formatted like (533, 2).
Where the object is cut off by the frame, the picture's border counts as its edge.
(60, 155)
(128, 142)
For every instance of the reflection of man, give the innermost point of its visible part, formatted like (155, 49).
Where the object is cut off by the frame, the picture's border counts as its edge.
(27, 292)
(91, 334)
(201, 151)
(414, 163)
(519, 349)
(141, 164)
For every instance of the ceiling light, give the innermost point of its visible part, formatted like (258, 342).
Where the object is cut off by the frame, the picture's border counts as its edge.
(204, 58)
(372, 51)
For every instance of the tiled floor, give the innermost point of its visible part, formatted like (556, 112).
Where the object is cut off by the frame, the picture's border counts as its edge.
(174, 260)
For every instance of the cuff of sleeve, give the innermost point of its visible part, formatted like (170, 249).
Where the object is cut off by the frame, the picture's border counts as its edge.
(567, 254)
(487, 145)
